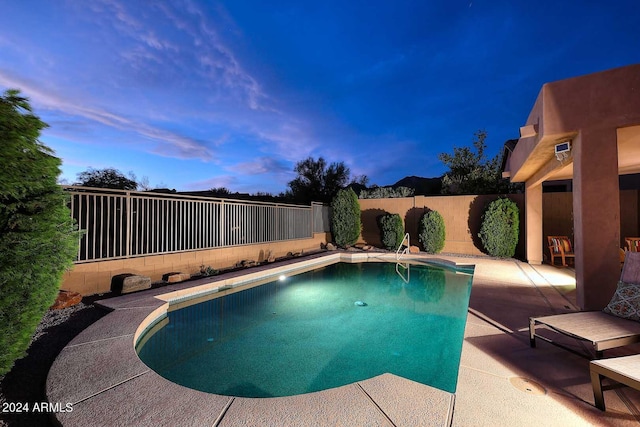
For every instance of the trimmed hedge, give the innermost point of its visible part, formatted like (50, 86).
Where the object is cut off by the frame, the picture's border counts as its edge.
(37, 238)
(500, 228)
(345, 218)
(391, 231)
(431, 232)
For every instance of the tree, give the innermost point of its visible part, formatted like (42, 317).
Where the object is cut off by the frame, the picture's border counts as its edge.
(386, 192)
(107, 178)
(317, 182)
(470, 172)
(37, 238)
(220, 192)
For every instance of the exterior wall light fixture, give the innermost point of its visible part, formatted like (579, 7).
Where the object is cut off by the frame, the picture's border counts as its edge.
(563, 150)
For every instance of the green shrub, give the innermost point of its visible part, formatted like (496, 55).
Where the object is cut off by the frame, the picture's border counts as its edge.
(391, 231)
(345, 218)
(386, 192)
(431, 232)
(37, 238)
(500, 228)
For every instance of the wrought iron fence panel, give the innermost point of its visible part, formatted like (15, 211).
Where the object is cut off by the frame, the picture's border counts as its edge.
(122, 224)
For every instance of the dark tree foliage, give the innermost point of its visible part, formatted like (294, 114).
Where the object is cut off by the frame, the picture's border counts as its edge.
(391, 230)
(106, 178)
(386, 192)
(431, 232)
(470, 172)
(500, 228)
(222, 192)
(345, 218)
(37, 238)
(317, 182)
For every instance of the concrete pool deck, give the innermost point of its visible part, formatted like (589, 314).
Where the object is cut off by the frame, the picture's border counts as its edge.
(501, 382)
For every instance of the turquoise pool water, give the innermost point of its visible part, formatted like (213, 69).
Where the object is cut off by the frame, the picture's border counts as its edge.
(321, 329)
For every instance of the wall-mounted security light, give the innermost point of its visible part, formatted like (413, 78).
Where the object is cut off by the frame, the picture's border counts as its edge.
(563, 150)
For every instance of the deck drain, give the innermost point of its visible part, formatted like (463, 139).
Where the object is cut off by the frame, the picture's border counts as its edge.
(528, 386)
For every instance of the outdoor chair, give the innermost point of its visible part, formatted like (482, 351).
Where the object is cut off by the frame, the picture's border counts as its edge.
(633, 243)
(615, 326)
(560, 247)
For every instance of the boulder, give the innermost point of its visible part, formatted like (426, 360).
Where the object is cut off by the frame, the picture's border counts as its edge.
(414, 249)
(331, 247)
(126, 283)
(175, 277)
(245, 263)
(66, 299)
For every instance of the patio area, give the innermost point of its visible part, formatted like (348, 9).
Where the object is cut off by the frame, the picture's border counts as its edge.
(502, 381)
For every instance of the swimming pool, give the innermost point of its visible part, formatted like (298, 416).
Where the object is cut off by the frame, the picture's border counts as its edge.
(321, 329)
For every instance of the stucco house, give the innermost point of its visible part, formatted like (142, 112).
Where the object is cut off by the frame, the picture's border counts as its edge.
(587, 129)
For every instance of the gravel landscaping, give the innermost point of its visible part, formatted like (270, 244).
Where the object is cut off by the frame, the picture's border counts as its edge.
(24, 385)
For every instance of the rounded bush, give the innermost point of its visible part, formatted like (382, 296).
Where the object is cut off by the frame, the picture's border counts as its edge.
(431, 232)
(500, 228)
(391, 231)
(345, 218)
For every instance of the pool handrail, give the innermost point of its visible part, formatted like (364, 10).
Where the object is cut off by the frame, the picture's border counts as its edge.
(405, 250)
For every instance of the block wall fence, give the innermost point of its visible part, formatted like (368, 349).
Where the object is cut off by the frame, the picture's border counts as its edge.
(462, 217)
(95, 277)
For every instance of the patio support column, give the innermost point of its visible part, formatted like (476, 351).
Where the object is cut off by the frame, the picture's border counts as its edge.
(596, 216)
(533, 223)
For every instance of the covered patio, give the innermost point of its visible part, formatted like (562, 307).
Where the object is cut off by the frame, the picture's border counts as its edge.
(586, 129)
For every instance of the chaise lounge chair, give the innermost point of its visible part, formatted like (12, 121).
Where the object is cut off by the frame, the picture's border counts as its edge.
(617, 325)
(624, 370)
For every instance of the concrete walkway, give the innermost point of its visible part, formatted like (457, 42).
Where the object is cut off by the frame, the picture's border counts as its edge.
(501, 382)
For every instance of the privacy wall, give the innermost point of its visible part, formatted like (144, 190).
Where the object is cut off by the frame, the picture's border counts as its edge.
(462, 218)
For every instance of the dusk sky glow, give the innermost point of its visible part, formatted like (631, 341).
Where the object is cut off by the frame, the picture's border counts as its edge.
(196, 94)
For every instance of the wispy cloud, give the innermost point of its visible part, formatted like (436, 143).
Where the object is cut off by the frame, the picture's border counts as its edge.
(170, 143)
(218, 63)
(263, 165)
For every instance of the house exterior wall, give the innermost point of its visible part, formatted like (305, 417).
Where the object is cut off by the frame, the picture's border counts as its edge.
(588, 110)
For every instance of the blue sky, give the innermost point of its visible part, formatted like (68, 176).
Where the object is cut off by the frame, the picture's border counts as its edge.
(201, 94)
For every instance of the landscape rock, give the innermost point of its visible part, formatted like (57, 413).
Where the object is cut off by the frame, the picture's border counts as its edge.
(331, 247)
(414, 249)
(66, 299)
(126, 283)
(175, 277)
(245, 263)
